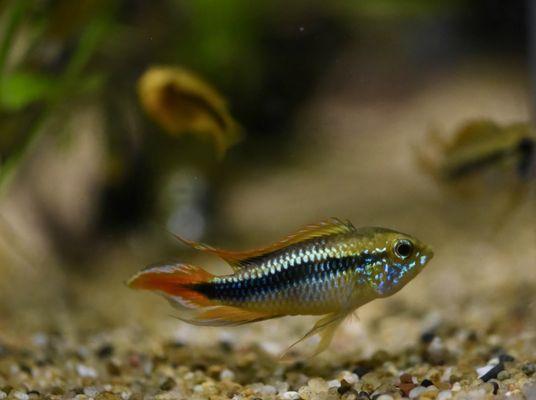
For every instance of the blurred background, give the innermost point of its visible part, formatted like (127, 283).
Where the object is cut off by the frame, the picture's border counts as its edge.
(308, 109)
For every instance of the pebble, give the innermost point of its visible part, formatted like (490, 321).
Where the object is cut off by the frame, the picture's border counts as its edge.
(318, 385)
(489, 372)
(426, 383)
(529, 368)
(503, 375)
(349, 377)
(334, 383)
(85, 371)
(91, 391)
(19, 396)
(444, 395)
(290, 396)
(168, 384)
(416, 392)
(384, 397)
(227, 375)
(529, 390)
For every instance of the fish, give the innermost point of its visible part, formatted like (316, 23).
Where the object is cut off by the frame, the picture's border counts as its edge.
(485, 160)
(181, 102)
(327, 269)
(484, 144)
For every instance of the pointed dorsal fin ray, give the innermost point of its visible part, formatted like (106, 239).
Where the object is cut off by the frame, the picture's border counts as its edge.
(242, 259)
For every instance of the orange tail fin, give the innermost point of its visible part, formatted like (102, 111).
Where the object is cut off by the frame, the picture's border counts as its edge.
(175, 282)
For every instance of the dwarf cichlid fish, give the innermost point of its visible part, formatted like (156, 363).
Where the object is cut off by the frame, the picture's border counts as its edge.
(481, 145)
(328, 269)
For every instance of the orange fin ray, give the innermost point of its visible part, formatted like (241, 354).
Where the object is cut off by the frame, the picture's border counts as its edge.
(225, 316)
(242, 259)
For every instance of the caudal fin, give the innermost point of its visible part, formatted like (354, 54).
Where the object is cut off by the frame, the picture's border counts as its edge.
(177, 283)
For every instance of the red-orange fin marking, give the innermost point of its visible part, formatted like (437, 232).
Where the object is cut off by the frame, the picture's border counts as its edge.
(176, 283)
(173, 281)
(242, 259)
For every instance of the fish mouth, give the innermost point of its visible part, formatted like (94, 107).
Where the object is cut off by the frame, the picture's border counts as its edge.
(427, 255)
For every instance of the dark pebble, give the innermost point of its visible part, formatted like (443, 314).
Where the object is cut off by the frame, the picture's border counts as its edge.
(168, 384)
(529, 369)
(175, 344)
(428, 336)
(363, 396)
(472, 337)
(226, 346)
(406, 378)
(344, 388)
(506, 358)
(113, 368)
(361, 370)
(105, 351)
(495, 387)
(427, 383)
(78, 390)
(7, 389)
(492, 373)
(25, 368)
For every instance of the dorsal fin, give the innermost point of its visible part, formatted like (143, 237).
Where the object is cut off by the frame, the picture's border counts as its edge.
(242, 259)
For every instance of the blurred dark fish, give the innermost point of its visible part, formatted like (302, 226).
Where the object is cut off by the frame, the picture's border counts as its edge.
(180, 102)
(329, 269)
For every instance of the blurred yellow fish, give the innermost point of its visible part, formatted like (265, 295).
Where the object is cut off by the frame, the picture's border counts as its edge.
(329, 269)
(481, 145)
(485, 157)
(181, 102)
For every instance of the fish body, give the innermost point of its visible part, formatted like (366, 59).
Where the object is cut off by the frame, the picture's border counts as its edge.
(327, 269)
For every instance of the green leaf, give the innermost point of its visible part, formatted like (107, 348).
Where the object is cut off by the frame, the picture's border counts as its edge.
(19, 89)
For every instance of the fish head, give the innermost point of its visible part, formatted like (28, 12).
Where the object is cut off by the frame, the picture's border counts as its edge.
(393, 259)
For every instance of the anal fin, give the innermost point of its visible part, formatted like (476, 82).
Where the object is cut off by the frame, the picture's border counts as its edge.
(225, 316)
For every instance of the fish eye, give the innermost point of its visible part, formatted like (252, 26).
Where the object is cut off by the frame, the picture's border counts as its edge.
(403, 248)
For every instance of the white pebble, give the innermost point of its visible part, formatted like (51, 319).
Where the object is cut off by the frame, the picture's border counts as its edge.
(484, 370)
(20, 396)
(290, 396)
(350, 377)
(446, 375)
(334, 383)
(3, 395)
(318, 385)
(227, 375)
(384, 397)
(456, 387)
(416, 392)
(444, 395)
(264, 389)
(91, 391)
(86, 372)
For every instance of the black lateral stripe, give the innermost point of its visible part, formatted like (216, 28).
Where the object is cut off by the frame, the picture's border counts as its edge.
(245, 290)
(477, 163)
